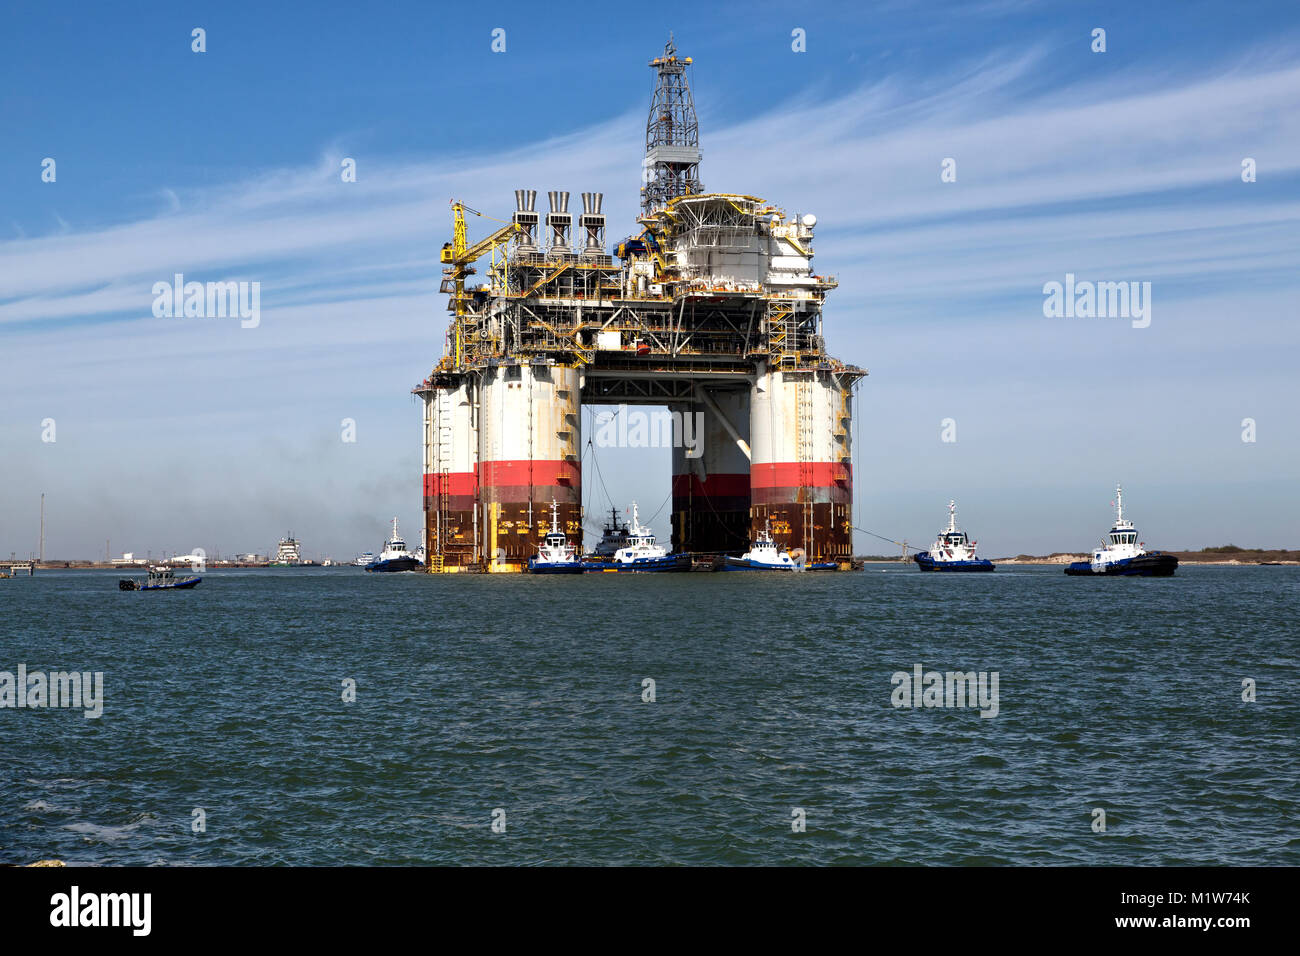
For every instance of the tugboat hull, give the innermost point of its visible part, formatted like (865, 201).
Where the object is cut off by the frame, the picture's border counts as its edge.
(394, 564)
(1152, 565)
(670, 562)
(727, 563)
(555, 567)
(927, 563)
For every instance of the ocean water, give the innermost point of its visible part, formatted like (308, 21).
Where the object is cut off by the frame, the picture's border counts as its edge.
(521, 698)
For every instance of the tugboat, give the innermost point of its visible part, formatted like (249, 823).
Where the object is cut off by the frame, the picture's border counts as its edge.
(613, 537)
(642, 554)
(1123, 554)
(394, 556)
(952, 550)
(556, 555)
(160, 579)
(764, 555)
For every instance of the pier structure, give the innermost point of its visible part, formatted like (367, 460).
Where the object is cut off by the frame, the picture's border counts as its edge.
(712, 307)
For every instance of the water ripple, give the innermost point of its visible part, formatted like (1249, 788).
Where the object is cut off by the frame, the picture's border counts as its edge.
(773, 699)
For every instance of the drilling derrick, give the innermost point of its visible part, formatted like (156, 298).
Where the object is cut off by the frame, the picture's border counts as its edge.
(672, 135)
(712, 310)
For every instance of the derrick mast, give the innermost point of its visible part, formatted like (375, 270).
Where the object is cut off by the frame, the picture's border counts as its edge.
(672, 134)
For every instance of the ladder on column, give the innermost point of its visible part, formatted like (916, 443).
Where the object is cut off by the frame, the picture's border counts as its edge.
(804, 454)
(442, 475)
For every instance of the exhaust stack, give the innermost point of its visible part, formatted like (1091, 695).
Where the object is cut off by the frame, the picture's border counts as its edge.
(593, 220)
(525, 218)
(560, 221)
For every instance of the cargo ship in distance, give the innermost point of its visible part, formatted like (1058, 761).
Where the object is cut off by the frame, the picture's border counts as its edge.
(288, 554)
(952, 550)
(1122, 555)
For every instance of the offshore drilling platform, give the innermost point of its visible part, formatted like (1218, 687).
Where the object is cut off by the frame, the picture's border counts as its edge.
(713, 308)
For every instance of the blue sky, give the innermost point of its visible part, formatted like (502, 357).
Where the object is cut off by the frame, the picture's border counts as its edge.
(1125, 165)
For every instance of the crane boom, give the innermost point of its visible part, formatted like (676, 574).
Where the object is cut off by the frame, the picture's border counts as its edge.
(458, 255)
(458, 251)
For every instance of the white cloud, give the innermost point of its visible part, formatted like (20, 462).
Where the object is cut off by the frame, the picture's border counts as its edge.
(1134, 178)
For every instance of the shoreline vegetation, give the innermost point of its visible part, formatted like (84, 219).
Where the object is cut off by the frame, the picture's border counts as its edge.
(1229, 555)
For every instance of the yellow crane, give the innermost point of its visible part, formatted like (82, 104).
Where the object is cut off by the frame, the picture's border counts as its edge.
(458, 256)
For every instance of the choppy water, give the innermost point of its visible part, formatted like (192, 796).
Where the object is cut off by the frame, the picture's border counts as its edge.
(773, 693)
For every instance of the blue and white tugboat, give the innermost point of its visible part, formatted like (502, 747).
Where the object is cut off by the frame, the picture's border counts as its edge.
(1122, 554)
(556, 555)
(394, 556)
(763, 555)
(952, 550)
(640, 553)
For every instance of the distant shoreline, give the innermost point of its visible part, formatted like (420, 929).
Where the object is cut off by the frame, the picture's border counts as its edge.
(78, 565)
(1240, 558)
(1236, 558)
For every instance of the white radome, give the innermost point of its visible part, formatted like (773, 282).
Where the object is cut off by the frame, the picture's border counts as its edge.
(809, 220)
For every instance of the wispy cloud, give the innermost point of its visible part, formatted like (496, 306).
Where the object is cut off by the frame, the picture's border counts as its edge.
(867, 161)
(1126, 177)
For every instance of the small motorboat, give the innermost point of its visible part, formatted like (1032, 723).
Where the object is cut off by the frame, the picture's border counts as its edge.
(159, 579)
(1122, 554)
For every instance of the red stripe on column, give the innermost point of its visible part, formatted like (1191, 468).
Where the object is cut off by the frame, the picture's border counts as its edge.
(794, 474)
(454, 483)
(543, 474)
